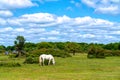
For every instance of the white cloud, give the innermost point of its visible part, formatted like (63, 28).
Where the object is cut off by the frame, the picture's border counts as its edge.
(2, 22)
(116, 32)
(13, 4)
(36, 30)
(37, 18)
(53, 32)
(88, 36)
(48, 27)
(111, 9)
(19, 30)
(6, 29)
(104, 6)
(91, 3)
(6, 13)
(14, 22)
(63, 19)
(52, 38)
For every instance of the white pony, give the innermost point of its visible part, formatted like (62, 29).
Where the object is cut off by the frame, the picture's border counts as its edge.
(48, 57)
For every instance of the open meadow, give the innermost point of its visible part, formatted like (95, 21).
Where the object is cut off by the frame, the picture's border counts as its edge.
(78, 67)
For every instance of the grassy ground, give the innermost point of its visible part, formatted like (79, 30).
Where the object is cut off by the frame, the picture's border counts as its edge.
(73, 68)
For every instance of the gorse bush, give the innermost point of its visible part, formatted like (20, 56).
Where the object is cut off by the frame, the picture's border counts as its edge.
(10, 64)
(31, 60)
(55, 53)
(116, 53)
(96, 52)
(112, 52)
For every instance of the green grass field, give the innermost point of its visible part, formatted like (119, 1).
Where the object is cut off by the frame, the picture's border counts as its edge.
(73, 68)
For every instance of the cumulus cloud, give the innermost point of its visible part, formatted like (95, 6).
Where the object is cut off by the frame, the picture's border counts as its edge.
(5, 13)
(49, 27)
(104, 6)
(111, 9)
(13, 4)
(37, 18)
(19, 30)
(2, 21)
(6, 29)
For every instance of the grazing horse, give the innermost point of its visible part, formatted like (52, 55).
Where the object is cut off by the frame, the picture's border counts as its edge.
(44, 57)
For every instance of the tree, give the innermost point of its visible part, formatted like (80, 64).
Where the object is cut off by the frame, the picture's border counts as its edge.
(60, 45)
(46, 45)
(84, 47)
(72, 47)
(2, 48)
(29, 46)
(19, 44)
(10, 48)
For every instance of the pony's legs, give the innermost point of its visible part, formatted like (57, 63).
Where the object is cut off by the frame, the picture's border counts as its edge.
(49, 62)
(40, 61)
(43, 62)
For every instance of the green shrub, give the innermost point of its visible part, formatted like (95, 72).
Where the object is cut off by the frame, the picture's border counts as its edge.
(13, 55)
(31, 60)
(10, 64)
(112, 52)
(55, 53)
(96, 52)
(108, 53)
(116, 53)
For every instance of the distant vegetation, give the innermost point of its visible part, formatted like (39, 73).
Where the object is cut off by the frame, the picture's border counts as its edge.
(60, 49)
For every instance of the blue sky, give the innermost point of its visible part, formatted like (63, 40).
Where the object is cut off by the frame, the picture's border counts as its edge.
(96, 21)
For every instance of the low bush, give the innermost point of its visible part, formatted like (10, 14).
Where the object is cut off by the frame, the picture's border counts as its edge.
(10, 64)
(55, 53)
(116, 53)
(96, 52)
(31, 60)
(13, 55)
(112, 52)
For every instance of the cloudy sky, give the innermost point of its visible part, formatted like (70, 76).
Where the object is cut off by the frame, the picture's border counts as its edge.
(96, 21)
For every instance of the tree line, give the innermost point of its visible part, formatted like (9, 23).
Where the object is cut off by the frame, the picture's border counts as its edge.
(72, 48)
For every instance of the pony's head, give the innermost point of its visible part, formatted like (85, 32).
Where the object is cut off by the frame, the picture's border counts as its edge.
(53, 61)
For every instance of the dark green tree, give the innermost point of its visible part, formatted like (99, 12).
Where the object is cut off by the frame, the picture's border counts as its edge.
(2, 48)
(19, 44)
(29, 46)
(10, 48)
(60, 45)
(72, 47)
(46, 45)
